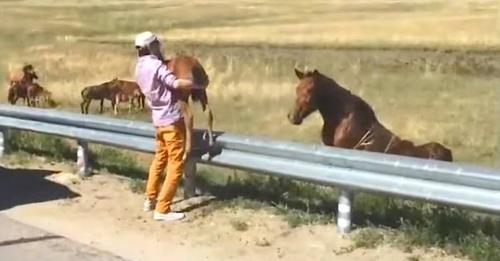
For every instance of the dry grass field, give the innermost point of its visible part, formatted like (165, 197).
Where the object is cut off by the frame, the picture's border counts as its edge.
(429, 68)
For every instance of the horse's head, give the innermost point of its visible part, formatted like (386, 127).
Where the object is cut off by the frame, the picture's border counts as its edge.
(29, 71)
(306, 100)
(114, 84)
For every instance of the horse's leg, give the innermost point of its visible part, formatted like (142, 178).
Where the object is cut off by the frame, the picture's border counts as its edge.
(82, 106)
(115, 105)
(346, 134)
(130, 104)
(101, 106)
(14, 99)
(87, 106)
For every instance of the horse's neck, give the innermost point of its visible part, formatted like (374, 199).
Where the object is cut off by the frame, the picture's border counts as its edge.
(332, 102)
(27, 78)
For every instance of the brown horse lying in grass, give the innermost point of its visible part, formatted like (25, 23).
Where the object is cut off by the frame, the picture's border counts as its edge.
(349, 122)
(19, 84)
(188, 67)
(106, 90)
(128, 91)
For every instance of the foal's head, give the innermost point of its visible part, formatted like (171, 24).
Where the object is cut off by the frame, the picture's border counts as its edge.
(307, 96)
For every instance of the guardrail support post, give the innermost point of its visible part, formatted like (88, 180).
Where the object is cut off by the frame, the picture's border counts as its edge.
(344, 211)
(3, 141)
(82, 159)
(190, 178)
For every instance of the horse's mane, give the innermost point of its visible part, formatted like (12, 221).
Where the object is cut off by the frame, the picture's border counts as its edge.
(327, 84)
(330, 89)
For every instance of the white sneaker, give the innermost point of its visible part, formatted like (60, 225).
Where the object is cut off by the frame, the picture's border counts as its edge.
(170, 216)
(149, 205)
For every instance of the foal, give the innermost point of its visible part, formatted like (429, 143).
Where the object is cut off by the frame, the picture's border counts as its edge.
(349, 122)
(37, 96)
(188, 67)
(128, 91)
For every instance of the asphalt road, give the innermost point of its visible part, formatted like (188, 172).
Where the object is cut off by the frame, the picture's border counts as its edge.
(20, 242)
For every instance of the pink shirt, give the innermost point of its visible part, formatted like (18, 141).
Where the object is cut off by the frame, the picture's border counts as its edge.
(156, 82)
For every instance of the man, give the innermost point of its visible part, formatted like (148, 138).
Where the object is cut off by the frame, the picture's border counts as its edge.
(158, 83)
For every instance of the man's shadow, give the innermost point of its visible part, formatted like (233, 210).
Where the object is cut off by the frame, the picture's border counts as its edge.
(25, 186)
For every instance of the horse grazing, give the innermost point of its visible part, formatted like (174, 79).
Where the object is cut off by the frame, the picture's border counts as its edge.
(107, 90)
(349, 122)
(188, 67)
(128, 91)
(18, 85)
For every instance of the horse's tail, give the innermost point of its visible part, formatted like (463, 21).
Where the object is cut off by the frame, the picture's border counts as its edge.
(85, 93)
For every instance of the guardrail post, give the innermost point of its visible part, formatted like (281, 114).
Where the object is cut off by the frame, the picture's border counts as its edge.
(344, 211)
(3, 141)
(190, 178)
(82, 159)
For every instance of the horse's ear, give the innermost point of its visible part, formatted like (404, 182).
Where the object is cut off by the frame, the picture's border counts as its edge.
(315, 72)
(299, 74)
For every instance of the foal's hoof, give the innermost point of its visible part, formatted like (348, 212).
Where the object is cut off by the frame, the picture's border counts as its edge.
(207, 136)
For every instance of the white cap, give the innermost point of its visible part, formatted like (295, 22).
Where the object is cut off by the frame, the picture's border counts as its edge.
(144, 39)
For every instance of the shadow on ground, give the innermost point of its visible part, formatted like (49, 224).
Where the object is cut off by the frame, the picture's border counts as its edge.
(25, 186)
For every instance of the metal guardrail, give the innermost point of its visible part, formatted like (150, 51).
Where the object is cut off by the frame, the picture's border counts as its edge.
(453, 184)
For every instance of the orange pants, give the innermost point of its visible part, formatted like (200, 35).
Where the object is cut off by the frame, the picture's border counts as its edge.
(169, 151)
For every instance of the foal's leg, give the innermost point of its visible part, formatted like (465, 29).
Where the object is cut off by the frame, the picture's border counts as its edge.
(210, 121)
(203, 99)
(188, 123)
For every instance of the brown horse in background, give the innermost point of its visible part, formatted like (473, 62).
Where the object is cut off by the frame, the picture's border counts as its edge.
(188, 67)
(349, 122)
(104, 91)
(19, 85)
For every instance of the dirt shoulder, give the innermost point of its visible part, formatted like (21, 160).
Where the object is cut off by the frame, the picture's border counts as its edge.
(103, 212)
